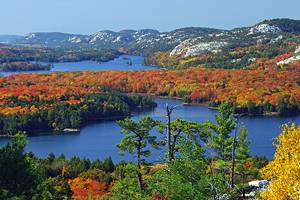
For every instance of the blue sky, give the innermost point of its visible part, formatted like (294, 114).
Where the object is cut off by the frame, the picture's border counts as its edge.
(89, 16)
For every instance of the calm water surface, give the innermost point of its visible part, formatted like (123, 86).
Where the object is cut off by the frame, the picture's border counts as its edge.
(116, 64)
(99, 140)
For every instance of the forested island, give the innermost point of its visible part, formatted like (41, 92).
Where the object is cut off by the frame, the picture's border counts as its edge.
(15, 58)
(66, 112)
(10, 53)
(23, 66)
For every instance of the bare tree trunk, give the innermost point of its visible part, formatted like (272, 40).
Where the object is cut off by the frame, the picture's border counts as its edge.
(173, 145)
(169, 134)
(139, 177)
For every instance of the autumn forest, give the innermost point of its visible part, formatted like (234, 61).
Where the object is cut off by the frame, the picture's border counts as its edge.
(244, 72)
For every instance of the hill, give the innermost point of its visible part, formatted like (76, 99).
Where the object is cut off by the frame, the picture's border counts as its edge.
(137, 41)
(187, 41)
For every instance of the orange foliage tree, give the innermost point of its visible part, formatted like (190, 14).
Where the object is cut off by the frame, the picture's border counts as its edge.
(87, 188)
(240, 86)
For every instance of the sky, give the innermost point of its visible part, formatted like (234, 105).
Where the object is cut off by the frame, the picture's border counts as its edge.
(89, 16)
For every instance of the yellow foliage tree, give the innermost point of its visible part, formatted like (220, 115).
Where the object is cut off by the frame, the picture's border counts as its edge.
(284, 170)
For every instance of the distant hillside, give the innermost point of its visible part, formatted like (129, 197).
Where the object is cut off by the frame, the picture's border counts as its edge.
(188, 41)
(269, 43)
(137, 42)
(266, 32)
(51, 39)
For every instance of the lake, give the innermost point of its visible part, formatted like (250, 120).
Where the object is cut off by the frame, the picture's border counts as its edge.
(119, 63)
(98, 140)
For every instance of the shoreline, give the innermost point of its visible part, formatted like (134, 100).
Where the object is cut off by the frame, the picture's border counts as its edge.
(113, 118)
(205, 104)
(69, 131)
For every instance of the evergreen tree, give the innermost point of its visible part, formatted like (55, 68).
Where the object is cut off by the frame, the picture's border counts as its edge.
(182, 128)
(220, 140)
(16, 175)
(137, 137)
(186, 177)
(108, 165)
(127, 188)
(244, 164)
(243, 146)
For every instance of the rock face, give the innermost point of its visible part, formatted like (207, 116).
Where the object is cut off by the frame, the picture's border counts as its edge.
(291, 59)
(266, 32)
(185, 48)
(264, 28)
(297, 51)
(75, 39)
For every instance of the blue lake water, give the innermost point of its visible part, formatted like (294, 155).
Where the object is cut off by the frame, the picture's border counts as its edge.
(98, 140)
(119, 63)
